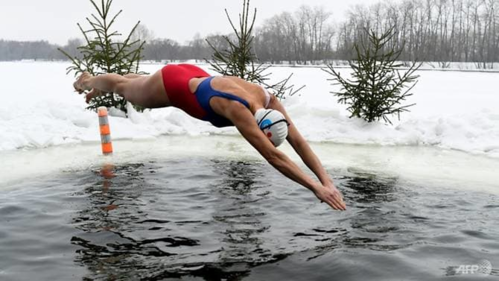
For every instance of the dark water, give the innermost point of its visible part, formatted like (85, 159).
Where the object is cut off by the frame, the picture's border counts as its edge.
(207, 219)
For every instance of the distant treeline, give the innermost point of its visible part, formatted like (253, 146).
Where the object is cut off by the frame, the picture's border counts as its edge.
(433, 30)
(37, 50)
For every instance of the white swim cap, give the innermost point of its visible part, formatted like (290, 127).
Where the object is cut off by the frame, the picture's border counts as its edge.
(273, 124)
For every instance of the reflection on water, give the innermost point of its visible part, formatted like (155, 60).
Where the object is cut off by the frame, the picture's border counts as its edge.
(113, 195)
(238, 213)
(220, 219)
(117, 211)
(370, 188)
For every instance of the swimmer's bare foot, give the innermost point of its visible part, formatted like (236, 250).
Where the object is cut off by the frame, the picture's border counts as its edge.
(79, 84)
(94, 93)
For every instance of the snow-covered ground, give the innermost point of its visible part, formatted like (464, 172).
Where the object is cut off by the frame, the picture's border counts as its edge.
(454, 110)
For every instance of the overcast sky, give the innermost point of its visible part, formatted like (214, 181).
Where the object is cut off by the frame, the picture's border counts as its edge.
(55, 20)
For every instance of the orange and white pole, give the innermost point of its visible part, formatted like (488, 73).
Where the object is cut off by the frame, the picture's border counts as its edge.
(105, 131)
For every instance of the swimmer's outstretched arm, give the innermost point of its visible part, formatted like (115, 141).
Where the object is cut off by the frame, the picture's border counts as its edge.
(301, 146)
(244, 122)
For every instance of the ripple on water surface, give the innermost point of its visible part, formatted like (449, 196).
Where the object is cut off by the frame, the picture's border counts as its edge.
(215, 219)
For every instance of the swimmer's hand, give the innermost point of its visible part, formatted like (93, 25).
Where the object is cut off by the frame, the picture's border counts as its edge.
(94, 93)
(332, 196)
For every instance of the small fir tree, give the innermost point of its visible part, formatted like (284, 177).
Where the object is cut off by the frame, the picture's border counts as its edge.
(103, 53)
(240, 60)
(378, 86)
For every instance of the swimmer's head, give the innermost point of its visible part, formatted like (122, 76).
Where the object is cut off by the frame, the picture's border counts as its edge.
(273, 124)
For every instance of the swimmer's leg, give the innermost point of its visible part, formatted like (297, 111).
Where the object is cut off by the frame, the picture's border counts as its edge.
(145, 91)
(132, 76)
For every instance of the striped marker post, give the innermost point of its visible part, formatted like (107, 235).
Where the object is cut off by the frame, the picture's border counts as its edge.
(105, 131)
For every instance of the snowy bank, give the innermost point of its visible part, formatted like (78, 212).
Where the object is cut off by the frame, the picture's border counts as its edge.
(454, 110)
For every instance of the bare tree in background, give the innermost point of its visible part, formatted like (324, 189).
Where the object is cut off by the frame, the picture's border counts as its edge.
(440, 31)
(142, 33)
(73, 45)
(303, 37)
(434, 30)
(199, 48)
